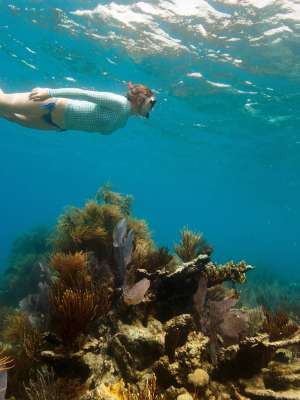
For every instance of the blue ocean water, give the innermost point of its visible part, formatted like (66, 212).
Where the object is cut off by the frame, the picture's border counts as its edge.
(220, 152)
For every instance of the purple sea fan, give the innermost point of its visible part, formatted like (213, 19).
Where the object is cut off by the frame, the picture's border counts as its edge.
(200, 296)
(3, 384)
(234, 325)
(216, 316)
(135, 294)
(123, 245)
(46, 274)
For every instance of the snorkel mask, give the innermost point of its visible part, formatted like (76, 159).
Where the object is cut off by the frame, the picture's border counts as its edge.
(142, 92)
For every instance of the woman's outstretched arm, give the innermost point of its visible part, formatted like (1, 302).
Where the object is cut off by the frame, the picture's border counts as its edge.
(105, 99)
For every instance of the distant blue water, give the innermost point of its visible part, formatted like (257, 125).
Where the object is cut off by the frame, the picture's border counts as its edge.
(220, 152)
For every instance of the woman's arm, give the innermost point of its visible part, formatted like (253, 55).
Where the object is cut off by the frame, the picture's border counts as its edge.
(105, 99)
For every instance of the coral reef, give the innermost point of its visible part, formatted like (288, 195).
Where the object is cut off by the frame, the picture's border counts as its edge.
(111, 316)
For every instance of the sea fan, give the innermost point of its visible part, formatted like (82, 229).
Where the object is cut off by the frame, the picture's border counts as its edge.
(200, 296)
(216, 316)
(3, 384)
(123, 245)
(135, 294)
(36, 305)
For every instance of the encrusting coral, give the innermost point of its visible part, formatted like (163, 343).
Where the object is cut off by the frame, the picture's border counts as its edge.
(118, 318)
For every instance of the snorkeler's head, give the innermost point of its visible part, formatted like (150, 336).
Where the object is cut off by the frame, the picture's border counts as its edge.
(142, 98)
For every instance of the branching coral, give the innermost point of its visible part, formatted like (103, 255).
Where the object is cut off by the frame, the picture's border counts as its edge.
(81, 229)
(16, 327)
(43, 387)
(69, 263)
(72, 268)
(256, 318)
(150, 391)
(90, 229)
(191, 245)
(278, 325)
(109, 197)
(216, 274)
(6, 362)
(75, 299)
(72, 310)
(146, 256)
(46, 386)
(32, 344)
(20, 333)
(24, 345)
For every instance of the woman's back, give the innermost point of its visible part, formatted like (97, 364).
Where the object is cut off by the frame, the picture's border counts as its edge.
(93, 111)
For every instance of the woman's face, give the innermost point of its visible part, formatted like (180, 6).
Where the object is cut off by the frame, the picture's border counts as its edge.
(146, 106)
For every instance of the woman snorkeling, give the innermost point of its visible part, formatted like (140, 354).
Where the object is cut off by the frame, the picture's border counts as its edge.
(76, 109)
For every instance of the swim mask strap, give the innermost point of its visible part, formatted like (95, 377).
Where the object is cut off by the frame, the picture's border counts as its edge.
(139, 91)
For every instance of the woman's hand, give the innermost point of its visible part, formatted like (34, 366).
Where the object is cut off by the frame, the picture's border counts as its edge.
(38, 94)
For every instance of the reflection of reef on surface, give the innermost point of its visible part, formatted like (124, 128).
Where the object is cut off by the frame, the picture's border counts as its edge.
(110, 315)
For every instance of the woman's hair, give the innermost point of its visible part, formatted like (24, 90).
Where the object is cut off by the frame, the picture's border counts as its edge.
(136, 90)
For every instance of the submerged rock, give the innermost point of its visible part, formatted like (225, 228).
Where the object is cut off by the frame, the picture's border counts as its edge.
(278, 381)
(268, 394)
(283, 355)
(177, 330)
(136, 347)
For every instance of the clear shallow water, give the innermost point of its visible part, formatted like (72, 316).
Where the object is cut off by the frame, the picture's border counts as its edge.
(221, 151)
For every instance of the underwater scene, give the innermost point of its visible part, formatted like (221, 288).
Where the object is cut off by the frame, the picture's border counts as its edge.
(150, 191)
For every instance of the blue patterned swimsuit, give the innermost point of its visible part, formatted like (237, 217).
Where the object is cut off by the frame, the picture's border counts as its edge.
(91, 111)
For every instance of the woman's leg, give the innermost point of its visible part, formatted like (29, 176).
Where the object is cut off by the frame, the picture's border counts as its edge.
(19, 103)
(17, 107)
(27, 121)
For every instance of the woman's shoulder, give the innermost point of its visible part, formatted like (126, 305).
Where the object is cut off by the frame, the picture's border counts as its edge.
(114, 101)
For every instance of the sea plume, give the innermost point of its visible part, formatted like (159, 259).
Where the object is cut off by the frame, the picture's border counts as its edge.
(191, 245)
